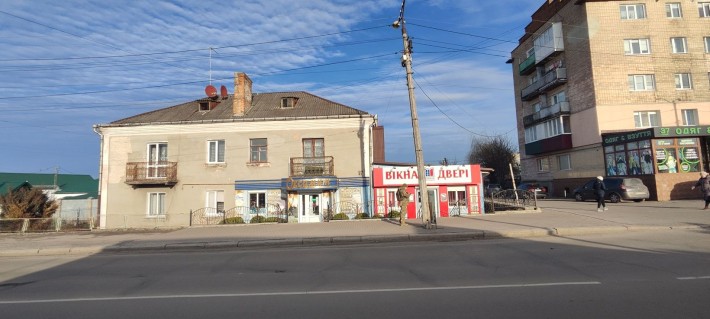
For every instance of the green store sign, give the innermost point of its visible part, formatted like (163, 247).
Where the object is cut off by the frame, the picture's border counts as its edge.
(674, 131)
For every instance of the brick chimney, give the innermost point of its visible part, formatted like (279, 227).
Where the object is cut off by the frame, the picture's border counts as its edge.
(242, 94)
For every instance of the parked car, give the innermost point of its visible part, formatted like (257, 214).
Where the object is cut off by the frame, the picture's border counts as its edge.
(539, 190)
(617, 189)
(492, 189)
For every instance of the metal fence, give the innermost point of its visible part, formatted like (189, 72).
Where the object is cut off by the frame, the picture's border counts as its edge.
(511, 199)
(272, 213)
(40, 225)
(72, 215)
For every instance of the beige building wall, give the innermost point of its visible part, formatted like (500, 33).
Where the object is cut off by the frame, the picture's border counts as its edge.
(125, 206)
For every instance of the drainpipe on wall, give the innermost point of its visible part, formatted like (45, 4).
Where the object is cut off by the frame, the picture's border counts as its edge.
(102, 218)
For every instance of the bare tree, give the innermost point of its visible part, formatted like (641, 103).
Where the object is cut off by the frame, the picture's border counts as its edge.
(27, 202)
(496, 153)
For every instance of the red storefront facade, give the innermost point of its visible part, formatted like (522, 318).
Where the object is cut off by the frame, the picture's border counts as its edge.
(453, 189)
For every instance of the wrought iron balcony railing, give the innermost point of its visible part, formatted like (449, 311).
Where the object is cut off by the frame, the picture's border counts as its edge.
(155, 173)
(312, 166)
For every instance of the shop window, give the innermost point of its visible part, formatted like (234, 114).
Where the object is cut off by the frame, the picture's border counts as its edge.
(257, 202)
(677, 155)
(634, 158)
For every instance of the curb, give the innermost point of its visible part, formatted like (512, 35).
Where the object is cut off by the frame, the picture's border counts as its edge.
(344, 240)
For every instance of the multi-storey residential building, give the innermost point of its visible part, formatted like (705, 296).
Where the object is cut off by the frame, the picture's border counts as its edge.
(615, 88)
(287, 155)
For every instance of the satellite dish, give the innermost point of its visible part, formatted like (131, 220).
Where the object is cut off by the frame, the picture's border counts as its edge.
(223, 92)
(211, 91)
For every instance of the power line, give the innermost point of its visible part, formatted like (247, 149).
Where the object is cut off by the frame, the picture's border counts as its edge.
(447, 116)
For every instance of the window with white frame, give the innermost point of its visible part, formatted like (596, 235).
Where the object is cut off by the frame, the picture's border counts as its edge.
(536, 107)
(704, 9)
(690, 117)
(637, 46)
(214, 202)
(673, 10)
(547, 129)
(642, 82)
(215, 151)
(564, 162)
(543, 164)
(156, 204)
(633, 11)
(257, 202)
(683, 81)
(258, 149)
(707, 44)
(646, 119)
(679, 45)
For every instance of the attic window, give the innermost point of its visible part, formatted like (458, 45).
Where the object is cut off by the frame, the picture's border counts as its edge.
(204, 106)
(288, 102)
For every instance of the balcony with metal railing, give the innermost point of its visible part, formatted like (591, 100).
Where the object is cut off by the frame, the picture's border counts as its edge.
(312, 166)
(151, 173)
(546, 113)
(547, 82)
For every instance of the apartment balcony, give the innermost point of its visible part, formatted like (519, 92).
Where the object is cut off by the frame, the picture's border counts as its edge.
(527, 66)
(312, 166)
(552, 144)
(548, 82)
(151, 174)
(546, 113)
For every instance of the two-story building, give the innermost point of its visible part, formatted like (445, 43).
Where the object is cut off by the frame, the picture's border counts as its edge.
(288, 155)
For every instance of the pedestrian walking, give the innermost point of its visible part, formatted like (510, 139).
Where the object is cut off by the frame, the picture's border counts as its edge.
(403, 198)
(599, 190)
(704, 184)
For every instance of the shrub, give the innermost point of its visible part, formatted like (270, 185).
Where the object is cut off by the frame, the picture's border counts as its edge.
(233, 220)
(362, 216)
(377, 216)
(275, 220)
(257, 219)
(394, 214)
(340, 216)
(27, 202)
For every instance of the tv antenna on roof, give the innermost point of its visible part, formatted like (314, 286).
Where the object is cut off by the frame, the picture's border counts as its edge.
(215, 51)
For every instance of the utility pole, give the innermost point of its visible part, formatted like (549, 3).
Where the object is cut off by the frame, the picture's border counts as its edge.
(407, 63)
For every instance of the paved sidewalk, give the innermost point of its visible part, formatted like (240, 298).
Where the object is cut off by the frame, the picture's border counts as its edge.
(555, 218)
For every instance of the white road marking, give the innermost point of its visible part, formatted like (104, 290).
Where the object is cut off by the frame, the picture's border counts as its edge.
(693, 278)
(324, 292)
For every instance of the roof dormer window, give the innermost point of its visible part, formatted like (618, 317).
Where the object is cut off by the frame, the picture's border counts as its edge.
(204, 106)
(288, 102)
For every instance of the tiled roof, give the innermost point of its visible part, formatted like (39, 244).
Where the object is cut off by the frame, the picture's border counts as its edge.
(265, 106)
(67, 183)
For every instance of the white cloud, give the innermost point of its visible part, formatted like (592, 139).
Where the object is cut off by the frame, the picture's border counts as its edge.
(252, 36)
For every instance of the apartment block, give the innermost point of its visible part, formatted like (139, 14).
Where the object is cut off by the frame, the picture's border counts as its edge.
(615, 88)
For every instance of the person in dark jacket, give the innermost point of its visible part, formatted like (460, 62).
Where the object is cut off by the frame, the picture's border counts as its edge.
(704, 184)
(599, 190)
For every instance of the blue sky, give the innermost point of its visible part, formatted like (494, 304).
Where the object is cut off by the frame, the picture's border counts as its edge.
(67, 65)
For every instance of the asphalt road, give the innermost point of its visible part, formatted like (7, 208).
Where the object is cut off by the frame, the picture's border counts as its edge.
(663, 274)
